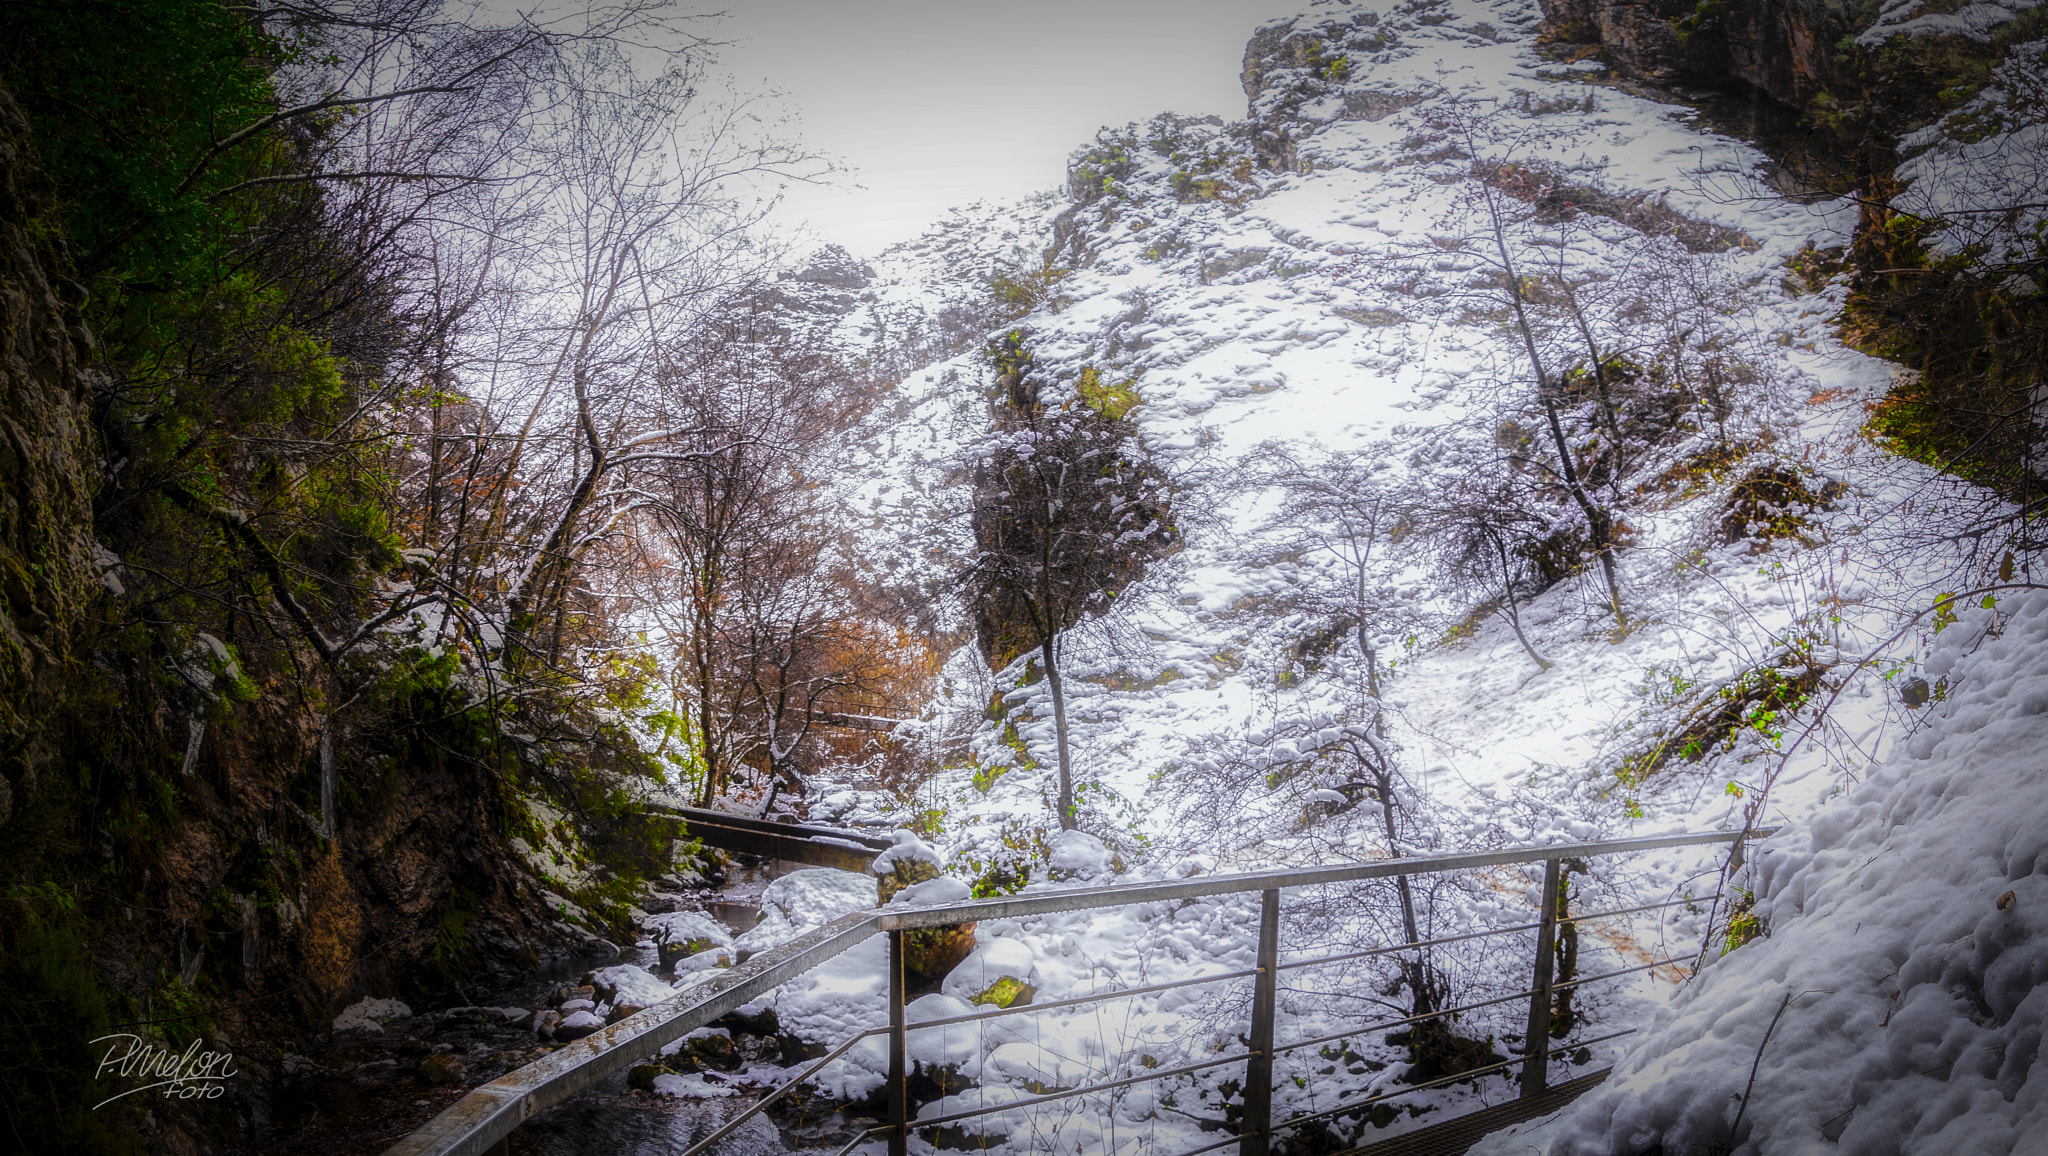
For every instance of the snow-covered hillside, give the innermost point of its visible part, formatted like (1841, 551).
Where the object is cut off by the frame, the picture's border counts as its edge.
(1324, 292)
(1350, 306)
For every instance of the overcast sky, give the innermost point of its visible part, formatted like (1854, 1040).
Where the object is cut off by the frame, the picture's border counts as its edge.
(934, 103)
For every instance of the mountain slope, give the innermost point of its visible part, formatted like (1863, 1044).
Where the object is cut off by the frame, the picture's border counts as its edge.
(1429, 260)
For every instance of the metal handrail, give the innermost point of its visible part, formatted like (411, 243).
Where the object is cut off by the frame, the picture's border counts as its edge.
(1079, 899)
(487, 1114)
(1372, 951)
(474, 1124)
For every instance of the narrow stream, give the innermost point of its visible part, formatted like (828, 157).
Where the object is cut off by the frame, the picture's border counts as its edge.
(611, 1118)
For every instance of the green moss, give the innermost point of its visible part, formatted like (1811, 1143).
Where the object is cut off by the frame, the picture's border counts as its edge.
(1113, 400)
(1005, 992)
(1744, 924)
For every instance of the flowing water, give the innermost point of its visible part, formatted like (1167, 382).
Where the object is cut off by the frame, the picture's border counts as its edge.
(617, 1121)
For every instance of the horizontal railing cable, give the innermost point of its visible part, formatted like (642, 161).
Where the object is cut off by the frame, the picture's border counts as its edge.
(1426, 1085)
(1414, 1019)
(781, 1090)
(1098, 997)
(1611, 974)
(1372, 951)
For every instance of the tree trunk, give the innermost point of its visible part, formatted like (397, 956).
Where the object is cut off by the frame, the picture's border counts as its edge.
(1596, 518)
(1068, 819)
(1415, 969)
(1507, 586)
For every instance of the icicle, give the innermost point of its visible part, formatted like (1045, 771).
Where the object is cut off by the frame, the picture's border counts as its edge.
(251, 930)
(196, 732)
(327, 779)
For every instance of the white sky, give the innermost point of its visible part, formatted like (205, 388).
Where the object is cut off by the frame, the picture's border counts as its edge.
(935, 103)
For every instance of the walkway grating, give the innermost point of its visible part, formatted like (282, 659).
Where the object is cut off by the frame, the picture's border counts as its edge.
(1453, 1137)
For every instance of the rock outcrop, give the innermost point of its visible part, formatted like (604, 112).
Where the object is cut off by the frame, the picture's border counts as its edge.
(46, 549)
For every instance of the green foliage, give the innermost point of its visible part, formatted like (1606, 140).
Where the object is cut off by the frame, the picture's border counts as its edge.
(1098, 172)
(1018, 292)
(1113, 400)
(1744, 924)
(1758, 703)
(1005, 869)
(53, 1004)
(1706, 16)
(221, 307)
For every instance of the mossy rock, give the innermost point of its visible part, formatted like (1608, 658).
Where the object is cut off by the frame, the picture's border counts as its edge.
(641, 1077)
(934, 951)
(904, 873)
(929, 951)
(1009, 991)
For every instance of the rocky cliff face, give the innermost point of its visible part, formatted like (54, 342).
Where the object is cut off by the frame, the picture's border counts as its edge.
(45, 519)
(168, 860)
(1929, 113)
(1789, 51)
(1841, 65)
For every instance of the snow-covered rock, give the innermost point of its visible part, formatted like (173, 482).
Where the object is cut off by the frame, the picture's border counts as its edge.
(907, 848)
(686, 926)
(578, 1024)
(629, 985)
(954, 1045)
(1077, 855)
(367, 1015)
(805, 899)
(944, 889)
(690, 1087)
(992, 961)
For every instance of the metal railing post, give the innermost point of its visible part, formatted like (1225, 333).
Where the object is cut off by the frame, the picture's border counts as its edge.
(1256, 1129)
(899, 1058)
(1536, 1044)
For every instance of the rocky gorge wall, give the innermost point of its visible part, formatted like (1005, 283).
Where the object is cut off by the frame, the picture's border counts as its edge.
(1921, 111)
(187, 882)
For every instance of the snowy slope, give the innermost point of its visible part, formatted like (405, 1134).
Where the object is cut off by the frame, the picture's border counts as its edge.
(1897, 1005)
(1343, 305)
(1274, 321)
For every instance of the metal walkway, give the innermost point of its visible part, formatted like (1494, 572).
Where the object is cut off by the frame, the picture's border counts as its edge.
(1453, 1137)
(482, 1120)
(791, 842)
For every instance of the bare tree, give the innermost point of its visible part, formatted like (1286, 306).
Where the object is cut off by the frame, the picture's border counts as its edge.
(1343, 505)
(742, 583)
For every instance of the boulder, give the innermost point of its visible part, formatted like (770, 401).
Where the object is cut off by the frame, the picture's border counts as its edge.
(442, 1070)
(578, 1024)
(366, 1015)
(627, 985)
(677, 935)
(715, 1053)
(1079, 857)
(641, 1076)
(1001, 972)
(909, 873)
(932, 951)
(802, 900)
